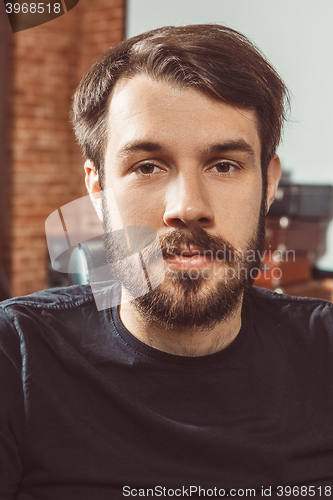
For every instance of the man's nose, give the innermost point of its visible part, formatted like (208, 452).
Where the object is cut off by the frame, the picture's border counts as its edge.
(187, 204)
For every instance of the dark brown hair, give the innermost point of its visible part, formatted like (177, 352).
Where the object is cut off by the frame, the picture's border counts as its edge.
(214, 59)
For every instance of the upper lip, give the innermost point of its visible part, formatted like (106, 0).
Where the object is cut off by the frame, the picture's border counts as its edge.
(186, 251)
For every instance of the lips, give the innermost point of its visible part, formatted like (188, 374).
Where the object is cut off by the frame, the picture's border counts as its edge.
(188, 252)
(184, 257)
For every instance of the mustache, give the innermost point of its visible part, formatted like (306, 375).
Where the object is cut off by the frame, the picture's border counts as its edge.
(199, 238)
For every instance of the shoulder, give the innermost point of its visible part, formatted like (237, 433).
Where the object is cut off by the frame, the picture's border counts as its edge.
(279, 299)
(27, 313)
(296, 336)
(54, 316)
(307, 316)
(54, 298)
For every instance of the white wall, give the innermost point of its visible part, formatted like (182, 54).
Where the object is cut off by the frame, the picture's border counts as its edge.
(297, 37)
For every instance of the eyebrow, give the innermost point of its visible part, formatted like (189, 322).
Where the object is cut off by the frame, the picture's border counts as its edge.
(155, 147)
(135, 147)
(233, 145)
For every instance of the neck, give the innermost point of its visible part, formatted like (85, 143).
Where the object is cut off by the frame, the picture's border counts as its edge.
(185, 342)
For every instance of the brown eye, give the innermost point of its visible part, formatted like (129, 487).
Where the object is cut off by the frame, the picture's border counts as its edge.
(224, 167)
(147, 168)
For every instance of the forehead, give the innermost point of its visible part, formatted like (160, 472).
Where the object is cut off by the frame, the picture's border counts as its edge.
(144, 109)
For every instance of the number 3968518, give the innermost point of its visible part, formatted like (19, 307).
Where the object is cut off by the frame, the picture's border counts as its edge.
(33, 8)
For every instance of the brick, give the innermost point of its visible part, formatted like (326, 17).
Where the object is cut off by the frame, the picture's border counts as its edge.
(46, 64)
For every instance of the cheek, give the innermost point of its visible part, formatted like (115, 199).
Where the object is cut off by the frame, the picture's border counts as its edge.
(250, 214)
(138, 209)
(237, 218)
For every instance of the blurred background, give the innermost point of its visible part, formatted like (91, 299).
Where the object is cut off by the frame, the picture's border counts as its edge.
(41, 166)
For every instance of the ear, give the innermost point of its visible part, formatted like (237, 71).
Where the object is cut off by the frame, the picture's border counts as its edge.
(273, 177)
(93, 187)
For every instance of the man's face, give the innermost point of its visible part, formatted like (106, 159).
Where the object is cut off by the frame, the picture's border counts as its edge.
(187, 166)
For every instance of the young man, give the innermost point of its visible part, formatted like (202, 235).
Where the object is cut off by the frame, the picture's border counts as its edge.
(204, 386)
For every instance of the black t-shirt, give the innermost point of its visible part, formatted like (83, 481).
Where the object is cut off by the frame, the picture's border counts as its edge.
(88, 412)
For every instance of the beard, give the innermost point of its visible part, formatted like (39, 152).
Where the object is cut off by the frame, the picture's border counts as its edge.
(191, 299)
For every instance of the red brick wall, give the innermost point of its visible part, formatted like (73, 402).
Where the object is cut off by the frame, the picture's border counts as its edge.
(103, 25)
(45, 165)
(4, 184)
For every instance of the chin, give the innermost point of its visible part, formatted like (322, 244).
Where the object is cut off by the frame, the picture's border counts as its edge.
(196, 304)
